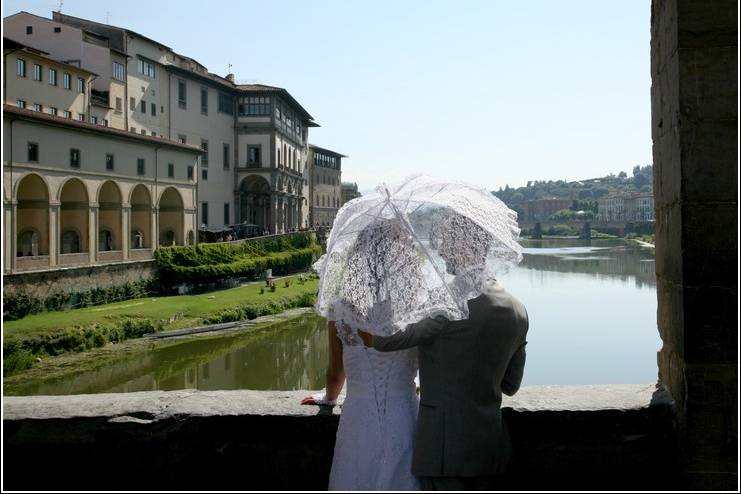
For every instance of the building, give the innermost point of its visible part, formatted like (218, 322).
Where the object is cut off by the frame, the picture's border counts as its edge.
(542, 209)
(77, 193)
(626, 207)
(349, 192)
(325, 185)
(253, 137)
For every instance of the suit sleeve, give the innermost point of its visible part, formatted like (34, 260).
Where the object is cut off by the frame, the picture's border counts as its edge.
(416, 334)
(516, 368)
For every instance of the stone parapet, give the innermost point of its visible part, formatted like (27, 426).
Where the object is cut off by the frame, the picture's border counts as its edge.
(564, 437)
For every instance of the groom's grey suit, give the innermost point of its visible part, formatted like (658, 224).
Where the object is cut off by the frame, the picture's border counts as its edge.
(464, 368)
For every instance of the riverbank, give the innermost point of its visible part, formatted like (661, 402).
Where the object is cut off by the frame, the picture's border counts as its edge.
(67, 365)
(53, 333)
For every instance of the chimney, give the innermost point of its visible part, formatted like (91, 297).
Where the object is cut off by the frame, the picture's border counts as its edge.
(230, 78)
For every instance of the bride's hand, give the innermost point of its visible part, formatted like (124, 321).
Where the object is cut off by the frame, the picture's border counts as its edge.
(318, 399)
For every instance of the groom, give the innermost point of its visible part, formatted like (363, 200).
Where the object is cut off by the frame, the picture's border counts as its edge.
(462, 442)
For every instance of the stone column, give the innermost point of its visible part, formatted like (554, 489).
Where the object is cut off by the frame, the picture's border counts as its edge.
(694, 113)
(92, 246)
(155, 228)
(54, 233)
(126, 230)
(10, 242)
(300, 212)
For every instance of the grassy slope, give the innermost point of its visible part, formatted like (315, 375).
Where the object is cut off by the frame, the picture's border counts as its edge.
(186, 310)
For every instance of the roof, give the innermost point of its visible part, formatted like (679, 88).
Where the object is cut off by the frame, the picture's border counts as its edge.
(26, 114)
(253, 88)
(213, 78)
(17, 45)
(91, 25)
(327, 151)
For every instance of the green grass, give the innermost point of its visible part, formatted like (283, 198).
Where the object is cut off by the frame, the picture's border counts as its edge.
(174, 312)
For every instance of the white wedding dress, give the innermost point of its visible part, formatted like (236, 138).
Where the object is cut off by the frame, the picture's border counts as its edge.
(375, 438)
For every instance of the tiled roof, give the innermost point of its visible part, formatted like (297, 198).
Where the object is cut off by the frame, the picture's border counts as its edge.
(78, 124)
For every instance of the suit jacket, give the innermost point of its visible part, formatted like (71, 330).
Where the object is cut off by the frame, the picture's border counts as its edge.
(464, 368)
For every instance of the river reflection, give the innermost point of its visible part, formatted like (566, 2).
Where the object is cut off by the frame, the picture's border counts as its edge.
(592, 312)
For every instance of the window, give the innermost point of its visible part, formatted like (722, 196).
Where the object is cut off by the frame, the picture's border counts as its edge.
(182, 94)
(21, 103)
(132, 104)
(170, 170)
(29, 29)
(67, 81)
(204, 213)
(226, 156)
(143, 132)
(70, 242)
(38, 107)
(119, 104)
(93, 119)
(140, 166)
(154, 134)
(255, 105)
(80, 85)
(28, 243)
(133, 129)
(57, 29)
(190, 173)
(105, 240)
(33, 152)
(52, 77)
(67, 114)
(81, 117)
(253, 155)
(104, 122)
(147, 68)
(226, 213)
(143, 106)
(137, 240)
(74, 158)
(226, 104)
(109, 161)
(181, 138)
(204, 153)
(53, 111)
(20, 67)
(118, 71)
(204, 173)
(36, 72)
(204, 101)
(154, 110)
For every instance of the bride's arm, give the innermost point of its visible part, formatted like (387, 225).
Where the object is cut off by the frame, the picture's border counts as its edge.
(335, 376)
(335, 370)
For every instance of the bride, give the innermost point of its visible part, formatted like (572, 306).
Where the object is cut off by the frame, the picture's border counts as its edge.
(375, 437)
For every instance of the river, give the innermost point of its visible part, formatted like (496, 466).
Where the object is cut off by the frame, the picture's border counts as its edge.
(592, 311)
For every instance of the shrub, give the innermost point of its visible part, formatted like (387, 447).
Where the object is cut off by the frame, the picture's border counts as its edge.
(19, 304)
(251, 311)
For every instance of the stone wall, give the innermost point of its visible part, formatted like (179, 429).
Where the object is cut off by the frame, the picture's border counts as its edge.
(564, 438)
(78, 279)
(694, 114)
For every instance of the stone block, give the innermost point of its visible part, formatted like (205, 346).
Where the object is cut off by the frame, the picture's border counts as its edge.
(709, 166)
(664, 32)
(710, 324)
(701, 23)
(670, 315)
(709, 244)
(708, 81)
(669, 261)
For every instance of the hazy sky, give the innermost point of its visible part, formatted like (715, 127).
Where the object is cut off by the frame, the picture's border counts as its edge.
(492, 92)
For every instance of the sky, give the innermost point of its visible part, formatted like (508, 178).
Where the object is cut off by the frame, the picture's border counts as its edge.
(490, 92)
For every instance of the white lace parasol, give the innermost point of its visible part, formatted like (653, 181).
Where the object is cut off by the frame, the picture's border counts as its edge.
(419, 248)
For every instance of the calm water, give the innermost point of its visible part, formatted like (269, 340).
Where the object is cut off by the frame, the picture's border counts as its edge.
(592, 320)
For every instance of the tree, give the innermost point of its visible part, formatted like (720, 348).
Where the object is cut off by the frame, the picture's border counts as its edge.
(585, 194)
(600, 192)
(622, 175)
(640, 180)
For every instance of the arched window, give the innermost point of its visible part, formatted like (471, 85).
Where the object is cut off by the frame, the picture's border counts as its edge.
(28, 243)
(105, 241)
(190, 237)
(169, 238)
(70, 242)
(137, 240)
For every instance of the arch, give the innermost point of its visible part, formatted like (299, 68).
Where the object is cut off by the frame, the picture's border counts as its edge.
(140, 222)
(74, 214)
(110, 217)
(32, 213)
(171, 217)
(254, 201)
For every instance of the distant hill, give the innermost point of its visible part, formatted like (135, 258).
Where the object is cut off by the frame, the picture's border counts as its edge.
(584, 191)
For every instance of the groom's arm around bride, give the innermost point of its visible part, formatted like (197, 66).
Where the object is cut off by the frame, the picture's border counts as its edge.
(462, 442)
